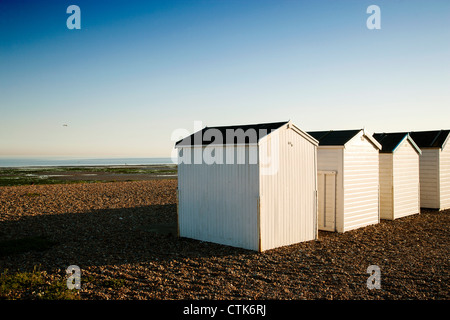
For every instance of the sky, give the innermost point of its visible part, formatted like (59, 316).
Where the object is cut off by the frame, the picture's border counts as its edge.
(138, 72)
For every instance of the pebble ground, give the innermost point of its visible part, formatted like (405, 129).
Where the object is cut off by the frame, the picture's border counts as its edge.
(123, 237)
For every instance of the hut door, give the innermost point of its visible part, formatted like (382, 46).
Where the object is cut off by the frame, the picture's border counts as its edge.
(327, 200)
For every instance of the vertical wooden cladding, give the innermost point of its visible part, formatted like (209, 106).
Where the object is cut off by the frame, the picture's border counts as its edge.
(434, 168)
(218, 202)
(256, 206)
(354, 158)
(327, 204)
(435, 178)
(361, 183)
(288, 196)
(331, 159)
(429, 178)
(444, 170)
(386, 186)
(399, 182)
(406, 181)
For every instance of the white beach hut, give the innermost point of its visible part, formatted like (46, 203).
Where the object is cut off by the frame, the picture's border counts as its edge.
(434, 168)
(348, 188)
(248, 186)
(399, 175)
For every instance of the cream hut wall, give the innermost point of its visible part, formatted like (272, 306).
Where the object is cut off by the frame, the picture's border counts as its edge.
(259, 193)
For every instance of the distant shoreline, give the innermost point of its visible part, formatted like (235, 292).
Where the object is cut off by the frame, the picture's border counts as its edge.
(10, 162)
(81, 166)
(37, 175)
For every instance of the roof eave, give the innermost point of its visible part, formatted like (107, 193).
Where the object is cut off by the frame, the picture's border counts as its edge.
(416, 147)
(408, 138)
(445, 141)
(372, 139)
(369, 137)
(304, 134)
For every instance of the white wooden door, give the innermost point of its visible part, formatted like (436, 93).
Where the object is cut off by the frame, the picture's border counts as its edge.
(327, 200)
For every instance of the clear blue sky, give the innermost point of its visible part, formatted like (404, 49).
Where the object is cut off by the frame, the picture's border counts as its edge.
(137, 71)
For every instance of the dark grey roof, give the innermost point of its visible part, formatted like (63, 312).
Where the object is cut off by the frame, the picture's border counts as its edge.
(333, 137)
(234, 134)
(390, 141)
(430, 139)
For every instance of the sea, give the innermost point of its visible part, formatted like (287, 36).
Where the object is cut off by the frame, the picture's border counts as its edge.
(54, 162)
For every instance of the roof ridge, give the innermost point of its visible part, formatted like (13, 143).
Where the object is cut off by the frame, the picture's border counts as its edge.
(251, 124)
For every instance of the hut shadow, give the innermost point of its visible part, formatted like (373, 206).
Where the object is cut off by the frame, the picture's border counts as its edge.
(105, 237)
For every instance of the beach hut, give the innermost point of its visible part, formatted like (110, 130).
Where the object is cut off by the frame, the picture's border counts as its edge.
(348, 189)
(399, 175)
(248, 186)
(434, 168)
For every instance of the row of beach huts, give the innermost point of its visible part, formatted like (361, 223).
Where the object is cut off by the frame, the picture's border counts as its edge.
(302, 182)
